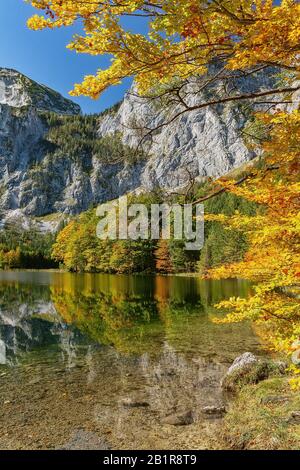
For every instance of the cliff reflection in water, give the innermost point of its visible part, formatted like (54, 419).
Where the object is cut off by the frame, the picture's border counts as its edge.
(134, 314)
(74, 346)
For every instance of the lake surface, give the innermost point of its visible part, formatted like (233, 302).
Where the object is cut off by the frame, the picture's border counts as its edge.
(99, 361)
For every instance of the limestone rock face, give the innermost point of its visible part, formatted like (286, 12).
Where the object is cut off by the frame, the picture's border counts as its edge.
(17, 90)
(207, 142)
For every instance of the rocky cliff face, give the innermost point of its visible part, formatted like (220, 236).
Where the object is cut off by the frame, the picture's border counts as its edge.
(40, 174)
(17, 91)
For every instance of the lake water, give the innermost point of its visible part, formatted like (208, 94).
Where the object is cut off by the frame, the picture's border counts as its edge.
(99, 361)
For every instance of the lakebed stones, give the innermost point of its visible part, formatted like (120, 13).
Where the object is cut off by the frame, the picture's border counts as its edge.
(179, 419)
(85, 440)
(131, 402)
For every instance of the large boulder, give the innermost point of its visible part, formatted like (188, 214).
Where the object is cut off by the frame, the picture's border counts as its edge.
(249, 369)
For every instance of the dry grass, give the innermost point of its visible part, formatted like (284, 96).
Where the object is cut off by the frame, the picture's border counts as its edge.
(258, 417)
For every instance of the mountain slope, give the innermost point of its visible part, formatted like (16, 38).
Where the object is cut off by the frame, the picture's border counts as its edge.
(53, 159)
(17, 90)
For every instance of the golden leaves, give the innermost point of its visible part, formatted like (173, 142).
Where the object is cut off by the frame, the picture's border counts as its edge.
(184, 36)
(273, 258)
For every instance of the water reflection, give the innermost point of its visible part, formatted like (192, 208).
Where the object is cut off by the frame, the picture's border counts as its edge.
(134, 314)
(74, 347)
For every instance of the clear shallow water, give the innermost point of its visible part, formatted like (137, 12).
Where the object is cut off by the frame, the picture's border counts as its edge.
(74, 346)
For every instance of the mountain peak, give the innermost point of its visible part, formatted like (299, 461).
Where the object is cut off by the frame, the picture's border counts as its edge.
(17, 90)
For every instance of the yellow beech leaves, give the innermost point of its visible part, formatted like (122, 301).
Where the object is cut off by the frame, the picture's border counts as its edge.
(183, 36)
(273, 258)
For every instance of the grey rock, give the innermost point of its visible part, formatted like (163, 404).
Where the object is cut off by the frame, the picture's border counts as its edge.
(179, 419)
(274, 399)
(18, 91)
(294, 418)
(247, 369)
(296, 357)
(64, 187)
(208, 142)
(244, 361)
(213, 411)
(134, 403)
(238, 372)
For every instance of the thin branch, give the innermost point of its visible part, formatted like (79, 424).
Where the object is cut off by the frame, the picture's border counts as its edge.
(236, 183)
(227, 99)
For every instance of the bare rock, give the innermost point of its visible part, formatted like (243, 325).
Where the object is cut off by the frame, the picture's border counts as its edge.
(244, 361)
(294, 417)
(248, 369)
(179, 419)
(207, 141)
(213, 411)
(129, 402)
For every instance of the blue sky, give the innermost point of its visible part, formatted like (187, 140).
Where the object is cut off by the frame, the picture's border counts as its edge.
(42, 55)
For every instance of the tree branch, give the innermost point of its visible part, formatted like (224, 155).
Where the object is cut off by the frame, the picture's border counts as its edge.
(238, 182)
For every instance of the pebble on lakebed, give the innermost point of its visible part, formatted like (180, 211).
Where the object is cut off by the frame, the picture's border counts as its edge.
(179, 419)
(134, 402)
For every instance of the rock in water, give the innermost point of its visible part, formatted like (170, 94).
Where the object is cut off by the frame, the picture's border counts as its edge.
(213, 411)
(134, 403)
(294, 418)
(85, 440)
(179, 419)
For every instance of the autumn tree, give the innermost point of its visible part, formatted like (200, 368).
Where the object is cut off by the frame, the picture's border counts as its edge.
(184, 36)
(272, 261)
(163, 263)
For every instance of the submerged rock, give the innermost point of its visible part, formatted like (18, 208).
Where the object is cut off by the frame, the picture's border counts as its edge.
(294, 418)
(85, 440)
(134, 402)
(179, 419)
